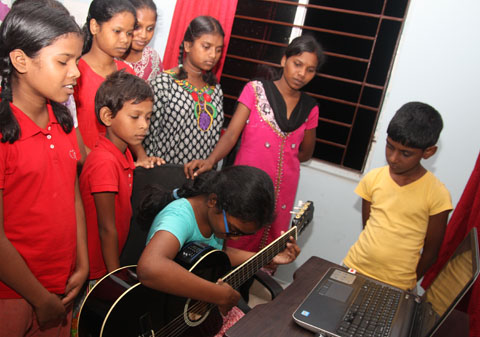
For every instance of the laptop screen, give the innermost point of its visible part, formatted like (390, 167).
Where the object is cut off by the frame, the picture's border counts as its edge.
(455, 277)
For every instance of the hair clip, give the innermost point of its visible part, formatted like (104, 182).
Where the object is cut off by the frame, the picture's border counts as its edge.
(175, 194)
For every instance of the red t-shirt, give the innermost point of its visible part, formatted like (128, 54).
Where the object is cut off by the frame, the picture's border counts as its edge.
(106, 169)
(37, 176)
(85, 90)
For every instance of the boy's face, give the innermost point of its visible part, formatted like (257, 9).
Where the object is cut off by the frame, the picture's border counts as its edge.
(130, 125)
(404, 160)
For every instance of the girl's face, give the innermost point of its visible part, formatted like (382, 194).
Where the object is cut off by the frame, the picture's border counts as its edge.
(225, 226)
(204, 53)
(56, 65)
(299, 69)
(114, 36)
(143, 33)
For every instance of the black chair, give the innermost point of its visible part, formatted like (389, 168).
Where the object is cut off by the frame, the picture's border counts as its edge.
(169, 176)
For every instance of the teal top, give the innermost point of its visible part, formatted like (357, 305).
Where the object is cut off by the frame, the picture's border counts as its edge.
(178, 218)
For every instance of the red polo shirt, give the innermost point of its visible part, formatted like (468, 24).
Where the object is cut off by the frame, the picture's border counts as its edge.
(37, 176)
(85, 90)
(106, 169)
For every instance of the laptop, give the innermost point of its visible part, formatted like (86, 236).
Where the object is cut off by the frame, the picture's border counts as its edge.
(345, 303)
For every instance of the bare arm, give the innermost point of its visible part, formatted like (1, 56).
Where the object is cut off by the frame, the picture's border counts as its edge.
(80, 274)
(224, 145)
(366, 206)
(15, 273)
(437, 225)
(308, 145)
(157, 270)
(105, 206)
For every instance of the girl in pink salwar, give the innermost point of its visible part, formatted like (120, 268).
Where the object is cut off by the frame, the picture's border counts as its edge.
(277, 123)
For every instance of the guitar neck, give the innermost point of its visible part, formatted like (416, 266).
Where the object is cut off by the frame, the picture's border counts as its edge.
(242, 273)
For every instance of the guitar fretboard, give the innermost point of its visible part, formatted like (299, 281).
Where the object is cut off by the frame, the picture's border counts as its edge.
(242, 273)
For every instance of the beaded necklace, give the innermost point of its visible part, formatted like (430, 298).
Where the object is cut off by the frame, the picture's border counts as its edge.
(205, 112)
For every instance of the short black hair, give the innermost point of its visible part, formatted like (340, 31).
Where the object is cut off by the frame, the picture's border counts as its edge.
(416, 125)
(118, 88)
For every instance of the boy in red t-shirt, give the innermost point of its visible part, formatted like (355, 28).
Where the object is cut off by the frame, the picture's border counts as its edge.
(123, 104)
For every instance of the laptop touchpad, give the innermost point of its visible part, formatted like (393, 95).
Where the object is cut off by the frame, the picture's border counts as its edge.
(335, 290)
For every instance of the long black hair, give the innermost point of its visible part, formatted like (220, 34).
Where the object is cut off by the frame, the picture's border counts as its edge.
(199, 26)
(102, 11)
(244, 192)
(30, 26)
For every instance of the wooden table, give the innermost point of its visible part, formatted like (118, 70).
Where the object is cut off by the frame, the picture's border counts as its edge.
(274, 319)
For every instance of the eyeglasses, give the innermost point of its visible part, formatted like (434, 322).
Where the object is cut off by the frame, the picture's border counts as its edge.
(227, 232)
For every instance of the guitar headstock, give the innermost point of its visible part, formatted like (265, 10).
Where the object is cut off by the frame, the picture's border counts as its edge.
(303, 215)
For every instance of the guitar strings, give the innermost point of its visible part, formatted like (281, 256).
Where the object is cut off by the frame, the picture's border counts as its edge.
(178, 325)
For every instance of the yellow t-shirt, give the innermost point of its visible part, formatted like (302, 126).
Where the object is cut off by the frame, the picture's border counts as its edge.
(389, 247)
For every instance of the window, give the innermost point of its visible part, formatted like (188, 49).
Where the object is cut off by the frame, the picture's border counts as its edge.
(360, 39)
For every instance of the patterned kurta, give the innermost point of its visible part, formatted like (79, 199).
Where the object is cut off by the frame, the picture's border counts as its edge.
(176, 134)
(266, 146)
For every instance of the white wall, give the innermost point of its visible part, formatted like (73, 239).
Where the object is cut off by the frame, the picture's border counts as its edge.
(438, 63)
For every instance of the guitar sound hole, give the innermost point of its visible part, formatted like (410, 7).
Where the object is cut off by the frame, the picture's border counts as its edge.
(196, 312)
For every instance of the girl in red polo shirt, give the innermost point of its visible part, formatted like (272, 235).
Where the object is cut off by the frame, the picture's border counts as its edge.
(43, 251)
(108, 34)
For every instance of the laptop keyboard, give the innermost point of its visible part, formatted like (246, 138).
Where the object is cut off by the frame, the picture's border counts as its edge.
(372, 312)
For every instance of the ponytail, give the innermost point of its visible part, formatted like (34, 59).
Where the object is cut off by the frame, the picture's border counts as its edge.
(9, 127)
(87, 36)
(155, 197)
(182, 73)
(63, 116)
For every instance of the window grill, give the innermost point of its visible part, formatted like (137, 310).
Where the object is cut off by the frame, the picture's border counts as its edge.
(360, 39)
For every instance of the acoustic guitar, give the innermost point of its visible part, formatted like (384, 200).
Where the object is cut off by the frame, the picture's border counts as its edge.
(119, 306)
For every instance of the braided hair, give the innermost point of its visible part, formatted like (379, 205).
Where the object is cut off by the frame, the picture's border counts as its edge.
(244, 192)
(199, 26)
(102, 11)
(30, 26)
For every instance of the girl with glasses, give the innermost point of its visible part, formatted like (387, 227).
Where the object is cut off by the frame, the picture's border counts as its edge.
(217, 206)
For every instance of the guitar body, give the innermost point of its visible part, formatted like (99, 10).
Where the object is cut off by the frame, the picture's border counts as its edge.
(118, 305)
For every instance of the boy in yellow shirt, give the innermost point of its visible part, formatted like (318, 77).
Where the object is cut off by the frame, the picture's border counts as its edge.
(405, 207)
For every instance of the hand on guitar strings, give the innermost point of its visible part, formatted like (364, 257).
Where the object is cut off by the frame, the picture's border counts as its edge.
(230, 299)
(289, 254)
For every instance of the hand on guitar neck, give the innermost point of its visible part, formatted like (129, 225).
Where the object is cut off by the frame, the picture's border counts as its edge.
(288, 255)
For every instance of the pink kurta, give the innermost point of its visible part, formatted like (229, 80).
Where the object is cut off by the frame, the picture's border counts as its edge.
(266, 146)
